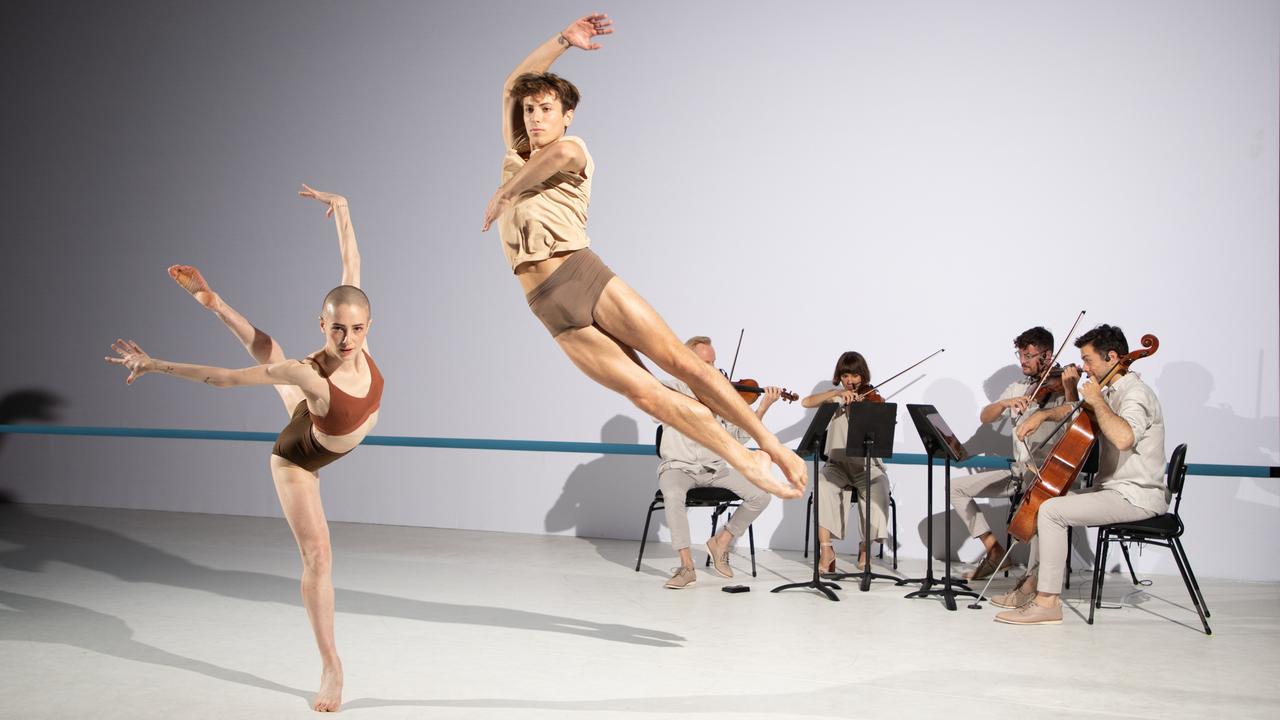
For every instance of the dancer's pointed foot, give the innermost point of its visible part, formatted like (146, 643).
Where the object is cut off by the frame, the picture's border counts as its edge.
(793, 467)
(329, 696)
(190, 279)
(760, 474)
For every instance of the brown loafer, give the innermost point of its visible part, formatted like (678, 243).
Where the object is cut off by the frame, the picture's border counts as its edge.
(988, 567)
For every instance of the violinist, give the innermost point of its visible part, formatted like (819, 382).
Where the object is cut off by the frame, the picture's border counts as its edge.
(686, 465)
(1034, 350)
(1129, 485)
(842, 476)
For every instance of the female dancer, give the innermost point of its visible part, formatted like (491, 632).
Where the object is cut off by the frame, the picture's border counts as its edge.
(843, 475)
(333, 396)
(595, 317)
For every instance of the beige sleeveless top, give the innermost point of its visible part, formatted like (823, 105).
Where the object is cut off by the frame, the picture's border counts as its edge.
(550, 218)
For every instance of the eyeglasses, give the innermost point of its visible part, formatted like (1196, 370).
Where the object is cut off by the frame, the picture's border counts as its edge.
(1029, 356)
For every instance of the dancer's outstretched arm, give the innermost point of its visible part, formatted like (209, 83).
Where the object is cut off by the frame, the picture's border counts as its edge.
(290, 372)
(560, 156)
(579, 34)
(341, 215)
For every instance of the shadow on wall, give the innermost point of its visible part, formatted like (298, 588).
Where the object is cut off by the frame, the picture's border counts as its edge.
(607, 497)
(28, 405)
(996, 438)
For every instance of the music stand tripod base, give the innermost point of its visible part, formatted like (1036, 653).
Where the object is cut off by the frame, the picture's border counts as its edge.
(814, 438)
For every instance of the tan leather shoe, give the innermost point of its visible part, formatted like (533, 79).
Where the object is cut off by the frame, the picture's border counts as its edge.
(1032, 613)
(1015, 598)
(682, 577)
(719, 561)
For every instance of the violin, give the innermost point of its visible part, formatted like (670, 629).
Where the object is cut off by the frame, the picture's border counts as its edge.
(1049, 384)
(866, 392)
(751, 391)
(1069, 454)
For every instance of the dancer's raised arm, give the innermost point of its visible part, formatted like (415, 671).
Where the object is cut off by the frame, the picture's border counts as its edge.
(341, 215)
(578, 34)
(289, 372)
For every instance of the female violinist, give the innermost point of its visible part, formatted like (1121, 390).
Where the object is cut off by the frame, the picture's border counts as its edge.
(842, 476)
(1125, 415)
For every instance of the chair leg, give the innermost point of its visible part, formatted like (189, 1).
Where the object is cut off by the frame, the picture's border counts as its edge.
(808, 517)
(751, 539)
(1124, 548)
(1195, 597)
(1102, 563)
(1096, 588)
(644, 536)
(1176, 544)
(893, 513)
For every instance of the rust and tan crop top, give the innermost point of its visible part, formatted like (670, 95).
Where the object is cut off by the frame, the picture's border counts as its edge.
(550, 218)
(347, 412)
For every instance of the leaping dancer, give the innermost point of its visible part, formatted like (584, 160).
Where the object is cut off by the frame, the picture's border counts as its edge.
(598, 320)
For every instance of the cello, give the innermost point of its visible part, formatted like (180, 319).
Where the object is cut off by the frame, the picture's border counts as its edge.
(1069, 454)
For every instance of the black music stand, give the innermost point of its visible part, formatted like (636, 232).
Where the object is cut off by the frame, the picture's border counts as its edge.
(938, 441)
(871, 428)
(814, 438)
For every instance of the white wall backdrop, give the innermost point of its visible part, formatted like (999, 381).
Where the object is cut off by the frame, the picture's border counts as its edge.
(891, 178)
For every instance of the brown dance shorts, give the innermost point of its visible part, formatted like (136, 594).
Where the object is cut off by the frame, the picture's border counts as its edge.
(567, 300)
(297, 445)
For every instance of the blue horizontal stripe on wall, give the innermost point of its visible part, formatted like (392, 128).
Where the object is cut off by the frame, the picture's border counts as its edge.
(529, 446)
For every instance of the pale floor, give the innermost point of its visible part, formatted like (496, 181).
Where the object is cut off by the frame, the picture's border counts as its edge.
(133, 614)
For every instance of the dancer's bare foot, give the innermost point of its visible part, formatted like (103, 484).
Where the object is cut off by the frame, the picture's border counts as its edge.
(193, 282)
(329, 696)
(760, 474)
(793, 467)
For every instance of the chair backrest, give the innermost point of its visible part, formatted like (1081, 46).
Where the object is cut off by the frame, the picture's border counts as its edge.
(657, 441)
(1176, 474)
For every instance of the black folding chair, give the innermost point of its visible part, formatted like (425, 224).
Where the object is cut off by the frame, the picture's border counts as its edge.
(720, 500)
(1163, 530)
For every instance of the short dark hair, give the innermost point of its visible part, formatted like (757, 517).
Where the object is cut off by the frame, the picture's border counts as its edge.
(537, 85)
(853, 363)
(1037, 336)
(346, 295)
(1105, 339)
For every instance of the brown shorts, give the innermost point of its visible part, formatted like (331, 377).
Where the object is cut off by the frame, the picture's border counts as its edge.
(567, 300)
(297, 445)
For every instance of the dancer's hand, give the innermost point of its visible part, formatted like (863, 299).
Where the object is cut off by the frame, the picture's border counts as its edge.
(498, 204)
(581, 31)
(133, 358)
(333, 200)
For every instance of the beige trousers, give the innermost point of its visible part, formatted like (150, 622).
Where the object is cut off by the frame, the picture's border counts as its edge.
(1049, 546)
(837, 483)
(991, 483)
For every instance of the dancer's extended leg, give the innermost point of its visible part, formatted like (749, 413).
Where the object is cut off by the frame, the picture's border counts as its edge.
(260, 346)
(625, 315)
(607, 362)
(299, 492)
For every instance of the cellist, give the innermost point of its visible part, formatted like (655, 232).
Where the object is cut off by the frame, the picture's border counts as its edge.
(1128, 487)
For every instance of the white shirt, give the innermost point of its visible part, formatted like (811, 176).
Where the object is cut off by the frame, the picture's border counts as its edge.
(1136, 473)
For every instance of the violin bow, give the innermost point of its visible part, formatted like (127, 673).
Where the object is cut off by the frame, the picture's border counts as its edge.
(900, 373)
(734, 366)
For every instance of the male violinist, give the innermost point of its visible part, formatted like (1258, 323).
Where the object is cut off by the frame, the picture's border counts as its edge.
(1034, 350)
(1129, 485)
(686, 465)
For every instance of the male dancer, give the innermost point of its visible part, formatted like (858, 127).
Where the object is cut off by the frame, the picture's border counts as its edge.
(595, 317)
(333, 396)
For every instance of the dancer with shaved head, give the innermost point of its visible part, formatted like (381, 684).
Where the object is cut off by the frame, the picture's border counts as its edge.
(332, 395)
